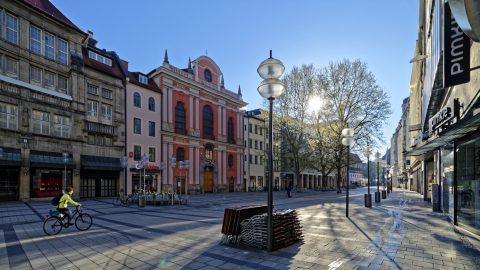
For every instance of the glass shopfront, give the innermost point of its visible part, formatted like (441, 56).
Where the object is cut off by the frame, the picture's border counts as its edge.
(447, 182)
(9, 184)
(468, 183)
(150, 182)
(101, 186)
(48, 182)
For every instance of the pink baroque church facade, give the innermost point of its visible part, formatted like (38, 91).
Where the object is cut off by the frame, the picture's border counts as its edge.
(202, 123)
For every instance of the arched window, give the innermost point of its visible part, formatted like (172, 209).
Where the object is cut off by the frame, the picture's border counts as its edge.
(151, 104)
(136, 100)
(180, 154)
(209, 151)
(230, 131)
(208, 123)
(180, 118)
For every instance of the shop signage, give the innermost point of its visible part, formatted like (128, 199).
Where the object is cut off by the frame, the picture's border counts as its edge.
(151, 167)
(456, 52)
(441, 117)
(417, 139)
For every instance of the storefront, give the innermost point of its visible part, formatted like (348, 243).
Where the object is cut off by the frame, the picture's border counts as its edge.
(468, 182)
(99, 176)
(10, 162)
(147, 179)
(451, 161)
(47, 171)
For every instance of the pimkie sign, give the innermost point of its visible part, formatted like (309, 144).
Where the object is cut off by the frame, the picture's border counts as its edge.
(456, 52)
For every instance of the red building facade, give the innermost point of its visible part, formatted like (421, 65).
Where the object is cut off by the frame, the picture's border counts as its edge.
(202, 123)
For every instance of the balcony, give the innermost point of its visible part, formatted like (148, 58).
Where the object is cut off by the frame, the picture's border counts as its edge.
(99, 128)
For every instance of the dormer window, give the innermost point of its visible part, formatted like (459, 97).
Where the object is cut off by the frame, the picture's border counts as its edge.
(142, 79)
(99, 58)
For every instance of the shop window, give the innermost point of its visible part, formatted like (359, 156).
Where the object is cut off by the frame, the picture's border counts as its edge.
(468, 183)
(48, 183)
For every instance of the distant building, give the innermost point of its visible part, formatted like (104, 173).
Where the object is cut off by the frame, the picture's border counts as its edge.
(255, 151)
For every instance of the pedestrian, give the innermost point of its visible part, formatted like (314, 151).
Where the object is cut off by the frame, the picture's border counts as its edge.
(289, 190)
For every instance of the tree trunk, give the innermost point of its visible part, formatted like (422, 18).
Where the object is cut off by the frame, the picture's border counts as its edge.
(339, 179)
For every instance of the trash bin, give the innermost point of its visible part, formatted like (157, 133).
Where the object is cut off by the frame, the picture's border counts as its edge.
(141, 201)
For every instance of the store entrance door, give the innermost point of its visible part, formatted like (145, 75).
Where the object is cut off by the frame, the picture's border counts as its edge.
(9, 184)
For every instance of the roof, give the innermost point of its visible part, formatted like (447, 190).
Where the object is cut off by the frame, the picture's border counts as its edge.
(133, 78)
(113, 70)
(47, 8)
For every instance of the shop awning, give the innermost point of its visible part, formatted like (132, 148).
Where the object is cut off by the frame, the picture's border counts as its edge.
(11, 157)
(41, 159)
(147, 170)
(463, 128)
(100, 163)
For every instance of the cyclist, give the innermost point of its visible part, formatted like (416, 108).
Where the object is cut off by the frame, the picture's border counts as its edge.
(66, 199)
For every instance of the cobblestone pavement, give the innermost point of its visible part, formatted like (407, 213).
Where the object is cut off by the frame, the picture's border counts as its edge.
(400, 233)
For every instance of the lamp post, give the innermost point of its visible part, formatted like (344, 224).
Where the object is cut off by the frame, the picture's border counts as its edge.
(348, 140)
(384, 191)
(270, 70)
(65, 160)
(162, 167)
(368, 196)
(377, 193)
(173, 163)
(124, 165)
(185, 164)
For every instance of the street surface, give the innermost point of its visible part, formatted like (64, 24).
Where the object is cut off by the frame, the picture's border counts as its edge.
(400, 233)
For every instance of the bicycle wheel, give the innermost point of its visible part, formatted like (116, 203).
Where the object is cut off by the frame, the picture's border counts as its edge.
(52, 225)
(116, 201)
(83, 222)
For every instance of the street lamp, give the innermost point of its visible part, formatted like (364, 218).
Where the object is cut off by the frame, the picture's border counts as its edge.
(173, 162)
(377, 193)
(384, 191)
(185, 164)
(348, 141)
(368, 197)
(270, 70)
(124, 165)
(65, 160)
(162, 167)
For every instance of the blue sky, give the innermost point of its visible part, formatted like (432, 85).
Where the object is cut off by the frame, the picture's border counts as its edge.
(238, 35)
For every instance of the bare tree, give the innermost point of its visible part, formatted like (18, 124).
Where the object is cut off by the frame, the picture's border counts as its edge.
(352, 98)
(291, 109)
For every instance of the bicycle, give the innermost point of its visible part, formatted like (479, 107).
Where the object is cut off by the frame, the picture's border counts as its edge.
(55, 223)
(122, 200)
